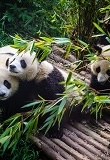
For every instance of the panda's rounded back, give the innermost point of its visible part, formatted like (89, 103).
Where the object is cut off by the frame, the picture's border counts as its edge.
(8, 49)
(48, 81)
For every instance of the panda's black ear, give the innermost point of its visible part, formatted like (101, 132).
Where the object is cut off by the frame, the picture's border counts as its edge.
(98, 48)
(7, 62)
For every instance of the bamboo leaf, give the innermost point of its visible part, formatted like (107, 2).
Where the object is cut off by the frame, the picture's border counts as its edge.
(51, 117)
(32, 104)
(99, 28)
(69, 78)
(62, 105)
(4, 139)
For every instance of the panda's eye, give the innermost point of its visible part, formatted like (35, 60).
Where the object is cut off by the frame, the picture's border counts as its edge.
(108, 72)
(23, 64)
(7, 84)
(98, 69)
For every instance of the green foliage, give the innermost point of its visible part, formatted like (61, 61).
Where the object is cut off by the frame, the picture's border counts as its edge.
(76, 91)
(42, 46)
(56, 19)
(24, 151)
(42, 18)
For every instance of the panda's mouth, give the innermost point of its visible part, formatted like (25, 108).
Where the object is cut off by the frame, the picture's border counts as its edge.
(13, 71)
(12, 68)
(3, 98)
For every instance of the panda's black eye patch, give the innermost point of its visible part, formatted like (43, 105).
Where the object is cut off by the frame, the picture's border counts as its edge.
(108, 72)
(7, 62)
(98, 69)
(7, 84)
(23, 64)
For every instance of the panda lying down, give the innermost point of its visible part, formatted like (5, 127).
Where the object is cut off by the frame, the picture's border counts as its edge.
(13, 93)
(31, 80)
(24, 80)
(47, 78)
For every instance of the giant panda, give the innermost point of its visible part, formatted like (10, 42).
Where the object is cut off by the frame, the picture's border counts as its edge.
(47, 84)
(100, 69)
(47, 79)
(8, 88)
(100, 76)
(13, 92)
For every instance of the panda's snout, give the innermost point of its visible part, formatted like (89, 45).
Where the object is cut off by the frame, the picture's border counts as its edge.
(12, 66)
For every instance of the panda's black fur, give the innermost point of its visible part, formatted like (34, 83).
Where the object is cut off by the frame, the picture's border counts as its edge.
(50, 87)
(100, 87)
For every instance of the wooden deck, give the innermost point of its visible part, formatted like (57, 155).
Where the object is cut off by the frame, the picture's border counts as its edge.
(81, 141)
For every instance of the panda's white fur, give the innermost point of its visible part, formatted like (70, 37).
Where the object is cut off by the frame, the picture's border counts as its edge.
(8, 49)
(8, 84)
(6, 79)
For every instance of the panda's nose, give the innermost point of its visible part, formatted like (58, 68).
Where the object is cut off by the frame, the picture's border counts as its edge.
(2, 94)
(12, 66)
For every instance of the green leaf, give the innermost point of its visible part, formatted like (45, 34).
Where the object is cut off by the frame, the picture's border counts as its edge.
(4, 139)
(13, 119)
(47, 39)
(6, 145)
(62, 105)
(51, 117)
(47, 125)
(69, 78)
(32, 104)
(83, 43)
(99, 28)
(61, 40)
(98, 35)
